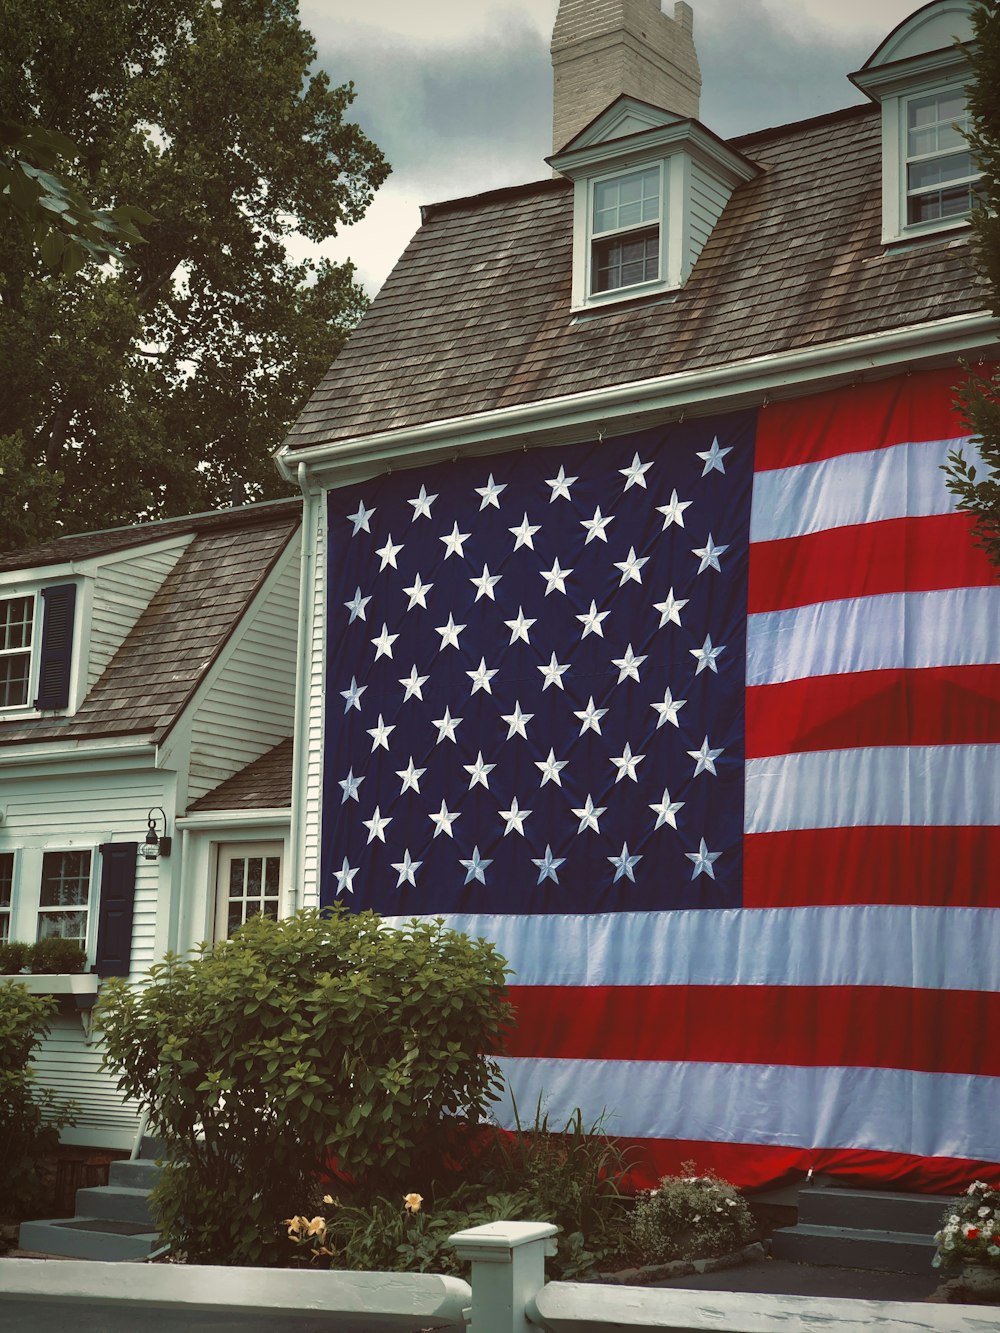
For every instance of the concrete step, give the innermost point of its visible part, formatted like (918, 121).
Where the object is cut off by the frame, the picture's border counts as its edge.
(88, 1238)
(880, 1210)
(134, 1175)
(117, 1203)
(854, 1247)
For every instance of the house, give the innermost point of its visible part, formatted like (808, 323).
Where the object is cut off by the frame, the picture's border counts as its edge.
(641, 634)
(148, 695)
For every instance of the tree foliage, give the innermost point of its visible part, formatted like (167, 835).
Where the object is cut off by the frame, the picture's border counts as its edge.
(158, 383)
(978, 488)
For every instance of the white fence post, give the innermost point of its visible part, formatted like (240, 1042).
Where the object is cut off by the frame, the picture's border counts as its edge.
(508, 1270)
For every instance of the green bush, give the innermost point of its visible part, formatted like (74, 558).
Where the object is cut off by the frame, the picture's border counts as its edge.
(299, 1042)
(30, 1117)
(55, 955)
(13, 957)
(690, 1217)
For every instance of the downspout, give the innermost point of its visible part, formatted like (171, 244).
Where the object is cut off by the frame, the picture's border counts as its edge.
(311, 513)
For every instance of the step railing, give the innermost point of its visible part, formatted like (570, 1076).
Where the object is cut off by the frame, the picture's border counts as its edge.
(507, 1294)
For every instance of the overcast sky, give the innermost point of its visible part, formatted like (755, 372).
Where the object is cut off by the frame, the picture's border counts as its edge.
(457, 93)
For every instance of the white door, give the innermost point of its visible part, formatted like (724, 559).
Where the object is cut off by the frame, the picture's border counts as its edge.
(248, 883)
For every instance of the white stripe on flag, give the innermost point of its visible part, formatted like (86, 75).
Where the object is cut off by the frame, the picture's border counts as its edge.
(883, 1110)
(899, 785)
(928, 948)
(953, 627)
(901, 481)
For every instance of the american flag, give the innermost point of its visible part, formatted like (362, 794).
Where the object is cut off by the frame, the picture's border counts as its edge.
(701, 725)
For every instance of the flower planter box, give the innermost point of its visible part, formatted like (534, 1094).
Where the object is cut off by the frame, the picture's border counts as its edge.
(60, 983)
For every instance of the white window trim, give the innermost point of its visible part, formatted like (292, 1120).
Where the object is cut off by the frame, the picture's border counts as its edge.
(27, 709)
(226, 851)
(26, 891)
(895, 227)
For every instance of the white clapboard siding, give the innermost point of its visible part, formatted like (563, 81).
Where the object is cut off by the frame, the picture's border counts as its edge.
(707, 198)
(249, 705)
(310, 816)
(123, 588)
(72, 1068)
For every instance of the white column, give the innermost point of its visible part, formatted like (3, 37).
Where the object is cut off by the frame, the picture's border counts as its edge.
(508, 1269)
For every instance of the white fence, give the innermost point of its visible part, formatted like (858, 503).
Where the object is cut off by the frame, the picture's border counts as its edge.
(508, 1294)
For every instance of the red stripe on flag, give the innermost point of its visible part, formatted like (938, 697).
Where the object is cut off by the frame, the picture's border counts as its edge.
(854, 419)
(865, 559)
(950, 705)
(754, 1165)
(922, 867)
(872, 1027)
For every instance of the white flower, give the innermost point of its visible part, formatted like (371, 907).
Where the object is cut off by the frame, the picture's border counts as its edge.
(984, 1212)
(954, 1220)
(993, 1249)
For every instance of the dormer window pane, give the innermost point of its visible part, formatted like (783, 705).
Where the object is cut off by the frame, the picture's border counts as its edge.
(627, 201)
(940, 182)
(626, 260)
(16, 624)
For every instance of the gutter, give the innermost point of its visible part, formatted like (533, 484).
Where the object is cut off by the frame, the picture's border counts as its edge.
(573, 416)
(26, 753)
(228, 818)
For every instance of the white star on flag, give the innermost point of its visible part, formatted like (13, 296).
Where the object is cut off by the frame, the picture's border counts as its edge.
(517, 722)
(345, 877)
(490, 493)
(421, 509)
(635, 473)
(704, 759)
(596, 526)
(627, 763)
(380, 734)
(443, 820)
(388, 552)
(349, 786)
(628, 666)
(476, 867)
(357, 607)
(449, 633)
(519, 627)
(671, 608)
(665, 809)
(631, 567)
(479, 772)
(360, 520)
(413, 684)
(624, 865)
(515, 818)
(548, 866)
(709, 555)
(454, 541)
(705, 655)
(407, 869)
(674, 511)
(417, 593)
(524, 533)
(446, 727)
(560, 485)
(383, 644)
(481, 677)
(703, 861)
(550, 768)
(376, 826)
(486, 583)
(588, 815)
(353, 695)
(553, 673)
(590, 717)
(713, 458)
(592, 621)
(669, 709)
(411, 777)
(555, 578)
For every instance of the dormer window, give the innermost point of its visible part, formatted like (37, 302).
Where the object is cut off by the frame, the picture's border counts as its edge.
(17, 621)
(36, 648)
(940, 173)
(625, 251)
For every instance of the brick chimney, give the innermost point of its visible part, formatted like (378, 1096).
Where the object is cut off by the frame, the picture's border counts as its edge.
(603, 48)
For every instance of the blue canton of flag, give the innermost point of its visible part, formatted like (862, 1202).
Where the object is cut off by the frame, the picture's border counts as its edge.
(535, 679)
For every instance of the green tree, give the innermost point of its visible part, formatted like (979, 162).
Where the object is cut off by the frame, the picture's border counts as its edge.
(159, 383)
(978, 489)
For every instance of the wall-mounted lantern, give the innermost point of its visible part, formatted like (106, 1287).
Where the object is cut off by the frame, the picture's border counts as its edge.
(155, 845)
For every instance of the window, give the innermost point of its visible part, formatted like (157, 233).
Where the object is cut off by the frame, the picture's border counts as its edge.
(249, 884)
(17, 620)
(64, 897)
(940, 174)
(625, 225)
(6, 892)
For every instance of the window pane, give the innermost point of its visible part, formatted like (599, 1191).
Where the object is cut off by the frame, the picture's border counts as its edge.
(254, 865)
(235, 917)
(65, 879)
(6, 878)
(63, 925)
(626, 261)
(949, 167)
(953, 202)
(626, 201)
(237, 871)
(14, 680)
(4, 926)
(271, 867)
(15, 622)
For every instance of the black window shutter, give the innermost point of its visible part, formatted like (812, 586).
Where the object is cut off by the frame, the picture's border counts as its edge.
(56, 659)
(114, 921)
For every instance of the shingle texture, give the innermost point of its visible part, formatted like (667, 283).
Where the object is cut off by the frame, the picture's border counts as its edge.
(476, 315)
(179, 635)
(266, 784)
